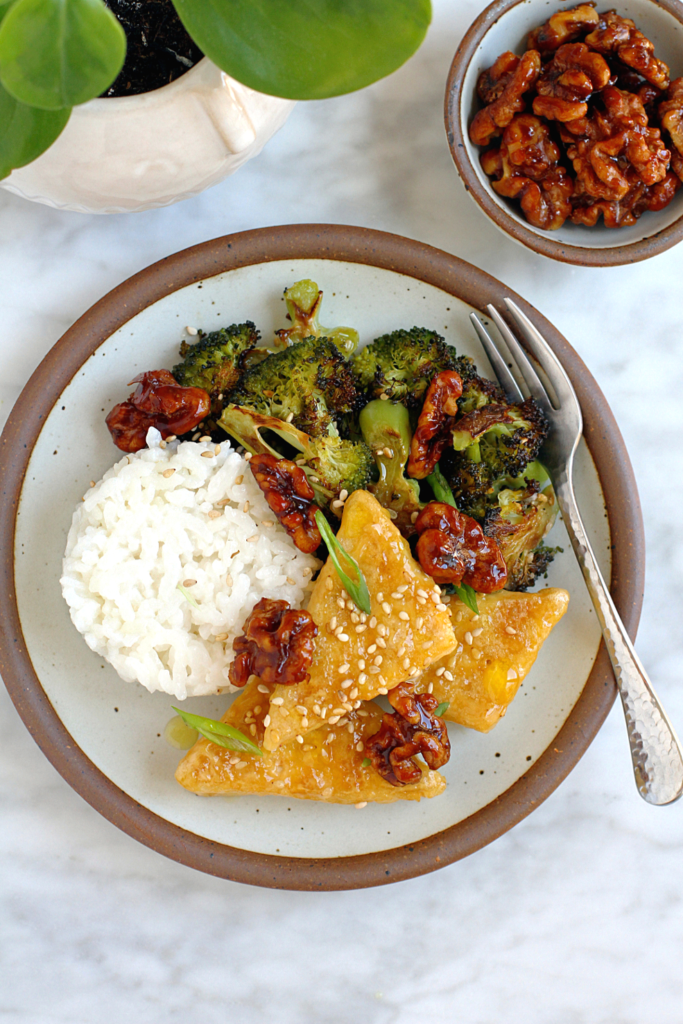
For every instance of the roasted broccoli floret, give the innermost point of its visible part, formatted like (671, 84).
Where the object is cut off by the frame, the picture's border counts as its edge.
(309, 382)
(402, 364)
(303, 306)
(504, 437)
(216, 362)
(492, 445)
(386, 429)
(331, 463)
(519, 521)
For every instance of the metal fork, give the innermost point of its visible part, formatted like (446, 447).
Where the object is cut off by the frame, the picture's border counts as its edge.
(655, 750)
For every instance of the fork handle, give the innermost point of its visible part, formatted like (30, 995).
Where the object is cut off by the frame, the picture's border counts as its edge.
(655, 750)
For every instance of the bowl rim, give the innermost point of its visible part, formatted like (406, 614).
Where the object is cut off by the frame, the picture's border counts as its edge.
(191, 266)
(456, 133)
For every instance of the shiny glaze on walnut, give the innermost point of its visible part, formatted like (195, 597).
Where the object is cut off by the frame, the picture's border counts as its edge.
(277, 645)
(158, 401)
(290, 497)
(412, 729)
(434, 425)
(601, 89)
(453, 548)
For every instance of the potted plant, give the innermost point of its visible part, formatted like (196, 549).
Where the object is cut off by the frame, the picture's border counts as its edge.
(83, 127)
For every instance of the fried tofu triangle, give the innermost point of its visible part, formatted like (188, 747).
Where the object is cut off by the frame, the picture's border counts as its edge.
(327, 766)
(494, 654)
(358, 656)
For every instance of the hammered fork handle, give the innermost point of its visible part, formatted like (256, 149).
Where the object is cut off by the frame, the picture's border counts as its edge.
(655, 750)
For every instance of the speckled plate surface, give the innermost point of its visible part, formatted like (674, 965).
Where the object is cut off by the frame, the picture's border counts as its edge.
(103, 734)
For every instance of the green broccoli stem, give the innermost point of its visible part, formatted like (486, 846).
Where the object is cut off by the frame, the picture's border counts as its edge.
(473, 452)
(438, 483)
(382, 421)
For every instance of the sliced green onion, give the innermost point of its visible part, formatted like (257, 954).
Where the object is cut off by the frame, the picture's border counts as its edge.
(438, 483)
(358, 592)
(468, 596)
(442, 708)
(366, 762)
(221, 733)
(187, 595)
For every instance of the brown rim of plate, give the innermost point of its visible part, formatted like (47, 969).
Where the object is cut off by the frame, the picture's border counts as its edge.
(353, 245)
(546, 245)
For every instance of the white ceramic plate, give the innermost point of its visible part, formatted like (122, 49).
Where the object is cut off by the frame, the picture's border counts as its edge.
(119, 726)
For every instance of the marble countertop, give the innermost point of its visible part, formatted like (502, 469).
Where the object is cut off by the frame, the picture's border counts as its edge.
(573, 917)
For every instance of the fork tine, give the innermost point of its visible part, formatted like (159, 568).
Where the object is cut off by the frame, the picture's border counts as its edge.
(531, 378)
(500, 367)
(552, 367)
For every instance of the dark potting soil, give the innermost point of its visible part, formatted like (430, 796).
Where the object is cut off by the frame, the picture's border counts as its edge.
(159, 48)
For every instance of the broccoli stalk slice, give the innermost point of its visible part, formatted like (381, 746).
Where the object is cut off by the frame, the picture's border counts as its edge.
(386, 429)
(303, 302)
(331, 463)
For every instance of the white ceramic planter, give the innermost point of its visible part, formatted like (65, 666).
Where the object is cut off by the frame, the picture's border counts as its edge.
(136, 152)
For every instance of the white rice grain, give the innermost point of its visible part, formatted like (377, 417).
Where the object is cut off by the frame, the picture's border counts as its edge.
(139, 534)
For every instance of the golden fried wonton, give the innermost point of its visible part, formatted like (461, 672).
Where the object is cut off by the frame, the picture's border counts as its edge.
(327, 766)
(495, 651)
(358, 656)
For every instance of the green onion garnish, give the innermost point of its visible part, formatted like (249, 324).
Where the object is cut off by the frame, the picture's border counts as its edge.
(468, 596)
(366, 762)
(438, 483)
(442, 707)
(221, 733)
(187, 595)
(358, 592)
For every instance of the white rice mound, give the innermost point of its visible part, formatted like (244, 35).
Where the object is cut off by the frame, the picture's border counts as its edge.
(139, 534)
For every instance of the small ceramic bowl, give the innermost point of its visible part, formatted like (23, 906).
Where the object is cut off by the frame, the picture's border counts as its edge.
(505, 25)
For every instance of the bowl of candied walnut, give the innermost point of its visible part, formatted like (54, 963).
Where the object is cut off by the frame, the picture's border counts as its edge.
(566, 126)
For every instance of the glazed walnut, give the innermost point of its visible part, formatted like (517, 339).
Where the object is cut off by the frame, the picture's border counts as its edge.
(526, 168)
(619, 36)
(671, 114)
(453, 548)
(291, 498)
(494, 80)
(412, 729)
(158, 401)
(488, 122)
(277, 645)
(563, 27)
(529, 148)
(601, 92)
(433, 430)
(568, 81)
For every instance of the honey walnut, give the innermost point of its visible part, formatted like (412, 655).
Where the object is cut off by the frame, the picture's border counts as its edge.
(277, 645)
(290, 497)
(412, 729)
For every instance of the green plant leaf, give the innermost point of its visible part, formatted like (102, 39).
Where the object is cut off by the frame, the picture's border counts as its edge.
(356, 589)
(220, 733)
(58, 53)
(25, 132)
(4, 7)
(306, 49)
